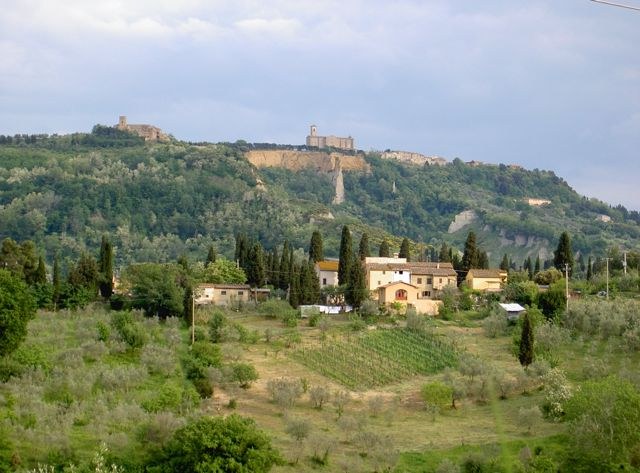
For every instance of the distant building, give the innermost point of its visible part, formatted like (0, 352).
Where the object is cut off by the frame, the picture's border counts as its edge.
(148, 132)
(222, 294)
(537, 202)
(489, 280)
(603, 218)
(316, 141)
(327, 272)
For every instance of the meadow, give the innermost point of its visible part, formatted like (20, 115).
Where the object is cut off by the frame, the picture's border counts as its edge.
(91, 378)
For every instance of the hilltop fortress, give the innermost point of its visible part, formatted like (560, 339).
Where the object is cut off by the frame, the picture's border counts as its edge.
(316, 141)
(148, 132)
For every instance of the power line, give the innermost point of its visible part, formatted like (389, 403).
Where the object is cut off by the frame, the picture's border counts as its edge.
(629, 7)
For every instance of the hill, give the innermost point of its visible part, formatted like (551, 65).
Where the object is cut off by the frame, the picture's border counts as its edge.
(160, 200)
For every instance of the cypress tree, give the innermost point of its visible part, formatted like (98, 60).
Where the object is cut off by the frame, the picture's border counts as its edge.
(285, 269)
(105, 264)
(313, 285)
(563, 254)
(525, 351)
(356, 291)
(315, 247)
(470, 256)
(483, 260)
(589, 270)
(530, 267)
(384, 251)
(187, 304)
(346, 256)
(363, 248)
(211, 256)
(294, 292)
(504, 264)
(444, 256)
(242, 250)
(405, 251)
(41, 272)
(256, 265)
(274, 270)
(536, 269)
(56, 281)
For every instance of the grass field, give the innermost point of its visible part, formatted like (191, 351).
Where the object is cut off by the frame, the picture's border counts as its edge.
(79, 387)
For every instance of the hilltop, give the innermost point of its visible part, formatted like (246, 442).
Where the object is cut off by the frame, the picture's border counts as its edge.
(162, 199)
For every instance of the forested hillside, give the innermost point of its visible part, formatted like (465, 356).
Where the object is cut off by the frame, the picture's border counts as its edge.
(158, 201)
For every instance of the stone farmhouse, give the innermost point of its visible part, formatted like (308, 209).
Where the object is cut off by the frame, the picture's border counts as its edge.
(222, 294)
(327, 272)
(148, 132)
(316, 141)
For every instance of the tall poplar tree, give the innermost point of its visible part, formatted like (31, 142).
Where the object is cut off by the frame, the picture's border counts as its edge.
(41, 272)
(188, 303)
(363, 248)
(589, 269)
(536, 268)
(284, 278)
(504, 264)
(294, 288)
(346, 256)
(384, 251)
(105, 265)
(525, 351)
(315, 247)
(405, 250)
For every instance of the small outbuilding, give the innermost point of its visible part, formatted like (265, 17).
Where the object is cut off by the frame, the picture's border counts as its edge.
(513, 310)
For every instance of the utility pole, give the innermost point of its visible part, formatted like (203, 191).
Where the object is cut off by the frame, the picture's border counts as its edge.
(193, 319)
(566, 285)
(607, 277)
(624, 263)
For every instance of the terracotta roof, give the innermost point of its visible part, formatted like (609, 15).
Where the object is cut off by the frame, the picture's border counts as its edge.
(397, 282)
(418, 267)
(488, 273)
(327, 265)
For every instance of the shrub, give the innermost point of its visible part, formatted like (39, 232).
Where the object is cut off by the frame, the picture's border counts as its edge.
(284, 391)
(167, 398)
(158, 360)
(104, 332)
(244, 374)
(495, 325)
(274, 308)
(319, 395)
(436, 395)
(134, 336)
(216, 444)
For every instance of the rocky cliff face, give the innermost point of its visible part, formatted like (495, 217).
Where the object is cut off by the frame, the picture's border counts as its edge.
(298, 160)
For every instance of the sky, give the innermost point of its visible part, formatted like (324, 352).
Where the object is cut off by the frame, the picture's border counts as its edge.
(546, 84)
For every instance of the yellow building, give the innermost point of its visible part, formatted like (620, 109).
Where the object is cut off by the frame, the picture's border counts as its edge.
(406, 295)
(486, 279)
(327, 272)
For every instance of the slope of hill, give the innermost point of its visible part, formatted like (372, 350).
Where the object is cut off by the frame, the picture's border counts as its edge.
(161, 200)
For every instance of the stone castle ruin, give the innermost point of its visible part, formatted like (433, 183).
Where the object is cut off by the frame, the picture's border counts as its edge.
(148, 132)
(316, 141)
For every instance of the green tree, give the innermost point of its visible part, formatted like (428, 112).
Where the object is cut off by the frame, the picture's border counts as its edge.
(405, 250)
(41, 272)
(603, 417)
(363, 247)
(563, 254)
(294, 288)
(536, 269)
(56, 281)
(284, 277)
(525, 350)
(470, 257)
(188, 303)
(311, 284)
(242, 250)
(589, 269)
(384, 251)
(211, 255)
(256, 266)
(222, 271)
(315, 247)
(483, 260)
(504, 264)
(85, 274)
(17, 307)
(553, 301)
(346, 256)
(356, 292)
(105, 264)
(445, 255)
(155, 289)
(217, 444)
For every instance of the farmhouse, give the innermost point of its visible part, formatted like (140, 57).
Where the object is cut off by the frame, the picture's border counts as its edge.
(222, 294)
(489, 280)
(406, 295)
(327, 272)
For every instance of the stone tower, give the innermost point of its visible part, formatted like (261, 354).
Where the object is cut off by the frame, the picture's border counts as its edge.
(313, 131)
(338, 182)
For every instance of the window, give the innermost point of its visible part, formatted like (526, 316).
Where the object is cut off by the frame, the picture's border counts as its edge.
(429, 280)
(401, 295)
(240, 293)
(400, 272)
(223, 293)
(440, 281)
(419, 280)
(426, 293)
(384, 272)
(324, 281)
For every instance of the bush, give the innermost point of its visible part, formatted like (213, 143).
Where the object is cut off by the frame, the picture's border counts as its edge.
(273, 308)
(134, 335)
(216, 444)
(495, 325)
(284, 391)
(244, 374)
